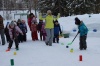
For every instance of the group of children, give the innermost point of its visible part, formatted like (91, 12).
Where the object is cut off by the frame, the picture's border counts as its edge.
(40, 28)
(16, 31)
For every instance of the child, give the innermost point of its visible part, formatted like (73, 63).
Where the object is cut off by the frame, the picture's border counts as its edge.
(7, 32)
(39, 28)
(30, 19)
(24, 30)
(34, 31)
(19, 25)
(14, 30)
(57, 29)
(43, 31)
(83, 30)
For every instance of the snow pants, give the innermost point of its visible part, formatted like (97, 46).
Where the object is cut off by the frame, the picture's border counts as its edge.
(34, 35)
(42, 36)
(24, 37)
(7, 38)
(11, 43)
(83, 44)
(20, 38)
(56, 37)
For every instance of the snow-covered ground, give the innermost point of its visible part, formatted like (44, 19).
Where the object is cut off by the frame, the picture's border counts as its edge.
(36, 53)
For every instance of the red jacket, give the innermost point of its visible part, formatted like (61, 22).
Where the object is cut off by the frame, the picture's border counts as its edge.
(33, 27)
(29, 22)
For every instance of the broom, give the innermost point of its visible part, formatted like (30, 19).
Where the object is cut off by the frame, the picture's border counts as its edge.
(72, 40)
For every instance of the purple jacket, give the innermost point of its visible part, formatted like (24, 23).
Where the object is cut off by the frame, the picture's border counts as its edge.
(43, 28)
(14, 31)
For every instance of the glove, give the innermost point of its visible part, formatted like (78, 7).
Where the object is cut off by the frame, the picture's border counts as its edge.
(26, 32)
(60, 32)
(78, 31)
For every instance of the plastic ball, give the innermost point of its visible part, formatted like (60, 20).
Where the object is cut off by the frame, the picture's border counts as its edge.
(67, 46)
(74, 30)
(89, 16)
(94, 30)
(71, 50)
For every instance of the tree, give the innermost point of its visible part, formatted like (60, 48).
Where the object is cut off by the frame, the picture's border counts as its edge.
(64, 7)
(70, 7)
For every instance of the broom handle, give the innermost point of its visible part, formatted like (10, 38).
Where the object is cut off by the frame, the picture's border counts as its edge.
(75, 36)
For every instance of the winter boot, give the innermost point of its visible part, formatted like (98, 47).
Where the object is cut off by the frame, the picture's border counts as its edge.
(17, 48)
(8, 50)
(46, 43)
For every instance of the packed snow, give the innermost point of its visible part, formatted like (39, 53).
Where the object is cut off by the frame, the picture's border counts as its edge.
(36, 53)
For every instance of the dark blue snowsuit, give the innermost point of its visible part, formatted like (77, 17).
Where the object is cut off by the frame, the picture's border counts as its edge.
(57, 31)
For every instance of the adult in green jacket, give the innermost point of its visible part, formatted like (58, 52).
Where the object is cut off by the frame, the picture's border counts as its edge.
(49, 27)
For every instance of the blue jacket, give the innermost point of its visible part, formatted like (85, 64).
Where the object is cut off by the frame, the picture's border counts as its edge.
(83, 29)
(57, 29)
(23, 27)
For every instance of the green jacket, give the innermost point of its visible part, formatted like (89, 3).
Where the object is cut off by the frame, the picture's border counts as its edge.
(49, 22)
(43, 18)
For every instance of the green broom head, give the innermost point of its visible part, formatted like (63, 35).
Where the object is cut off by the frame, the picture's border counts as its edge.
(69, 43)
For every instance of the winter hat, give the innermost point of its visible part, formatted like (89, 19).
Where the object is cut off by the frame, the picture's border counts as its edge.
(12, 23)
(40, 20)
(56, 21)
(77, 21)
(31, 14)
(0, 16)
(49, 12)
(23, 21)
(19, 20)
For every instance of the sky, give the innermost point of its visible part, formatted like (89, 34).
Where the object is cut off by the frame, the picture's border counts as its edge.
(36, 53)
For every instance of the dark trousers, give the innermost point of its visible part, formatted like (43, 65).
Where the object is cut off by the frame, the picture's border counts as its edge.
(20, 38)
(8, 38)
(42, 36)
(11, 43)
(83, 44)
(24, 37)
(56, 37)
